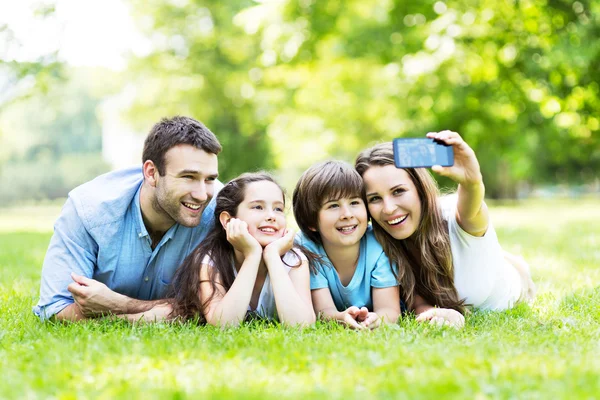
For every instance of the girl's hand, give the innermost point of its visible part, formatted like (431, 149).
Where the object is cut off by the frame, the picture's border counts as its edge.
(442, 316)
(466, 169)
(281, 245)
(240, 238)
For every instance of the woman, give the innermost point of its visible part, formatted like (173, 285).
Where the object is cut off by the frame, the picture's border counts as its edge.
(447, 252)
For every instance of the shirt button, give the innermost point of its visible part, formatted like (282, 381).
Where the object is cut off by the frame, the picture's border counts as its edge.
(146, 279)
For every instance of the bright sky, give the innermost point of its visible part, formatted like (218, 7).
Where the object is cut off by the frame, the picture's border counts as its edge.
(85, 32)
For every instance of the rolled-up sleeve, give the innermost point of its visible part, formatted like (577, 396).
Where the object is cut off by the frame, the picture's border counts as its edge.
(71, 249)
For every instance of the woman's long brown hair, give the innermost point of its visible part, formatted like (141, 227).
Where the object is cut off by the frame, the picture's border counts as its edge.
(424, 259)
(186, 283)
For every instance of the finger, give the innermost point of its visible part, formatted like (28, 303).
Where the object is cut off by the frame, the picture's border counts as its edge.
(352, 323)
(353, 310)
(80, 279)
(363, 313)
(437, 321)
(76, 289)
(372, 318)
(426, 315)
(444, 171)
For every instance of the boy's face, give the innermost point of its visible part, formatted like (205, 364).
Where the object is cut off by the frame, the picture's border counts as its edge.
(342, 222)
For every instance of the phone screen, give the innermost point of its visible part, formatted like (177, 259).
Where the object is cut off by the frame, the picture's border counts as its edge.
(425, 152)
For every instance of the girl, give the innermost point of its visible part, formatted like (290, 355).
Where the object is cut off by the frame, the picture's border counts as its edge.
(353, 275)
(446, 250)
(246, 263)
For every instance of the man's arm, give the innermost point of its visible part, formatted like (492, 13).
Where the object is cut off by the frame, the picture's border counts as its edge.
(94, 299)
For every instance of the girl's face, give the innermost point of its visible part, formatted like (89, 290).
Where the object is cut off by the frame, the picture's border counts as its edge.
(342, 222)
(393, 200)
(263, 211)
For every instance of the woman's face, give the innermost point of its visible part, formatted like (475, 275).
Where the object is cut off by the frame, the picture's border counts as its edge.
(393, 200)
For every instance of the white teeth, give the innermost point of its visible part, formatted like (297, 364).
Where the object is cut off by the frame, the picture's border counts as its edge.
(347, 228)
(397, 220)
(270, 230)
(192, 206)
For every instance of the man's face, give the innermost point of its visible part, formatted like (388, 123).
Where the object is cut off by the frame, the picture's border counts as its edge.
(187, 186)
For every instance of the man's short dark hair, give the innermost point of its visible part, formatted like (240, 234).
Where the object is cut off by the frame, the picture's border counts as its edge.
(170, 132)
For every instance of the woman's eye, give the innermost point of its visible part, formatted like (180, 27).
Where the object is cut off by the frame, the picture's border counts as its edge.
(257, 207)
(374, 199)
(398, 191)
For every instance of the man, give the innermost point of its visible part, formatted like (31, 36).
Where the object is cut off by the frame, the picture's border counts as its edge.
(120, 237)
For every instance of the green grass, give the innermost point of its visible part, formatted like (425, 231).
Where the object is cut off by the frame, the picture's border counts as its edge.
(549, 349)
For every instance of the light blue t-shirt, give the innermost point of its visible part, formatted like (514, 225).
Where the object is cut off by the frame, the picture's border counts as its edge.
(372, 271)
(100, 234)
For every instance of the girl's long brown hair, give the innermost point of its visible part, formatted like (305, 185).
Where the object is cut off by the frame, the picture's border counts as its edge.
(424, 259)
(186, 283)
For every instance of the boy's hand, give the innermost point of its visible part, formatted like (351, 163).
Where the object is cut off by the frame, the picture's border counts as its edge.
(372, 321)
(353, 316)
(442, 316)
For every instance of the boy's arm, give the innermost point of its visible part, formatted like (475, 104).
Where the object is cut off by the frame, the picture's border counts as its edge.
(386, 303)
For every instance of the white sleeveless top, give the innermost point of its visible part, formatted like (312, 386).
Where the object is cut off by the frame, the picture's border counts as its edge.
(266, 300)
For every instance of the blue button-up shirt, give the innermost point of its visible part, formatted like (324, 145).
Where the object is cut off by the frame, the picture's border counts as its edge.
(100, 234)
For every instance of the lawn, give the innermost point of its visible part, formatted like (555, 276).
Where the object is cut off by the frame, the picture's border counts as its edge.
(549, 349)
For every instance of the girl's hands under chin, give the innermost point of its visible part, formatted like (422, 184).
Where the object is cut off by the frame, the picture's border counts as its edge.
(240, 238)
(442, 316)
(466, 169)
(282, 245)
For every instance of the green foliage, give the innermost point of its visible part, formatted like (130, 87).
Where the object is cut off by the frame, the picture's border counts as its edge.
(544, 350)
(323, 79)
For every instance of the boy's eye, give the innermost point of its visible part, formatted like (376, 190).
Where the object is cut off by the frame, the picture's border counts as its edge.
(278, 209)
(187, 177)
(334, 205)
(355, 202)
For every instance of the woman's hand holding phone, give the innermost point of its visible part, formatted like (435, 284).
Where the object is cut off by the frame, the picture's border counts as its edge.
(465, 170)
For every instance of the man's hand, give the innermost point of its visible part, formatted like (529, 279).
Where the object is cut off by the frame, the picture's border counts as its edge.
(442, 316)
(93, 298)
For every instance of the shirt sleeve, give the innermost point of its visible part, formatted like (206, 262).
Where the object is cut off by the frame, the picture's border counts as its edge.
(382, 275)
(318, 280)
(71, 249)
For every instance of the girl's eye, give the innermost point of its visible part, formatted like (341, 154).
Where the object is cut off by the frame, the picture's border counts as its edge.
(278, 209)
(355, 203)
(332, 206)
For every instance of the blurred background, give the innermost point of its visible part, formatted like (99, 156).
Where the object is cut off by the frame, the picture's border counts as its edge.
(284, 84)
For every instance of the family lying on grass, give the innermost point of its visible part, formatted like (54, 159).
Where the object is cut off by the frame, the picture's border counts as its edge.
(168, 241)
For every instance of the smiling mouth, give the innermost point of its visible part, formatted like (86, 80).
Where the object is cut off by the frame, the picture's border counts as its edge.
(397, 221)
(267, 230)
(194, 207)
(347, 229)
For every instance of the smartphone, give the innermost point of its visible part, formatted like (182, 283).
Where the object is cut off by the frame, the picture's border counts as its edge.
(425, 152)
